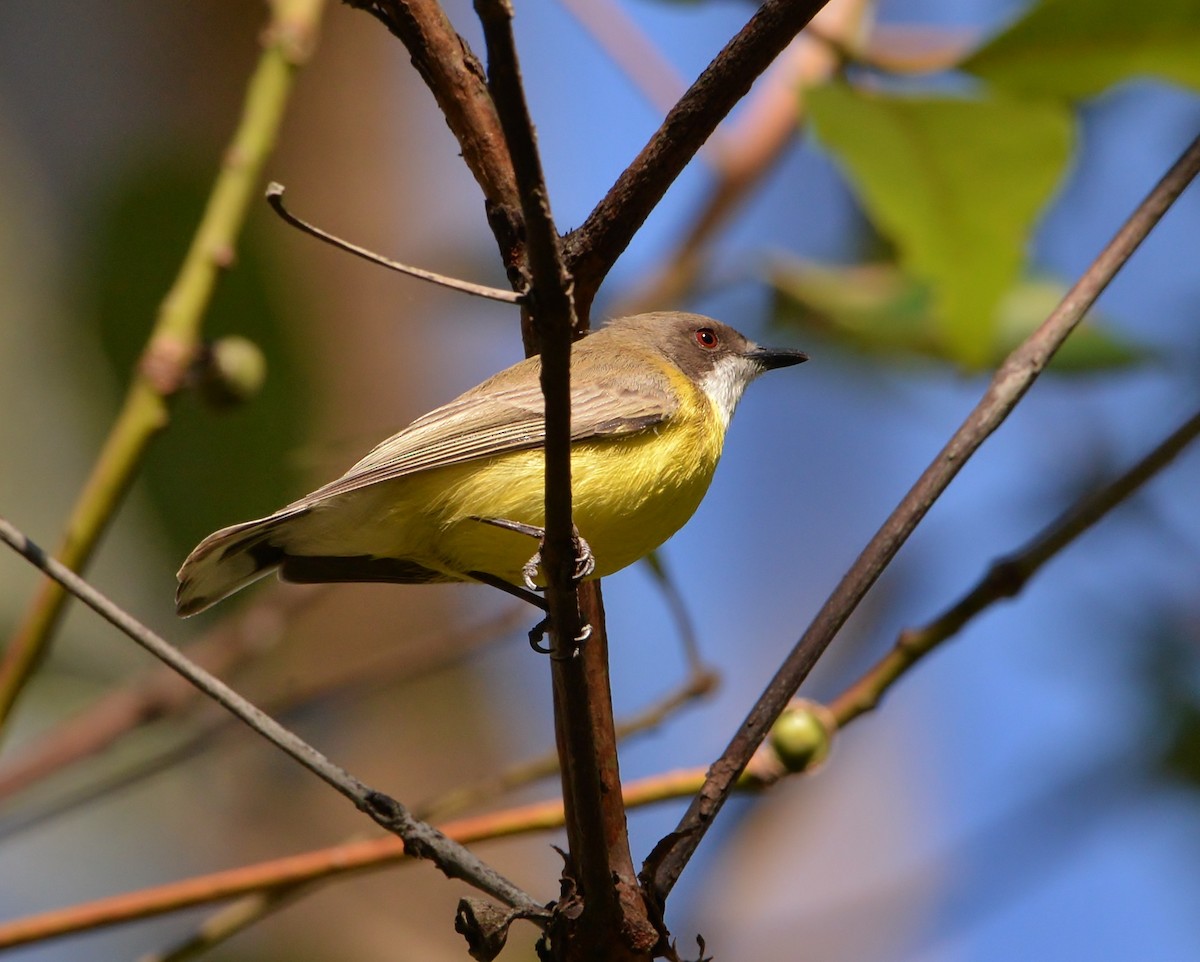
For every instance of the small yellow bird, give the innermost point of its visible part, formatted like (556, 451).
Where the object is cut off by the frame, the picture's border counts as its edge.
(651, 397)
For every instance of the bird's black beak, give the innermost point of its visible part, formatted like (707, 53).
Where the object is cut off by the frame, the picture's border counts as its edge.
(769, 358)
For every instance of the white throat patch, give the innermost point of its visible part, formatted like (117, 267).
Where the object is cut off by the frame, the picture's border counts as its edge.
(725, 383)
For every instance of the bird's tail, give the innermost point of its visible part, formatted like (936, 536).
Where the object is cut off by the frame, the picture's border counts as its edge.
(227, 561)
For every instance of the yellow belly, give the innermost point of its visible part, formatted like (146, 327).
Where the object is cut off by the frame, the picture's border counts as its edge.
(629, 495)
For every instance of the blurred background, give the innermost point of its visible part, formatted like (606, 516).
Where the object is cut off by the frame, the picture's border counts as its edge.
(1031, 790)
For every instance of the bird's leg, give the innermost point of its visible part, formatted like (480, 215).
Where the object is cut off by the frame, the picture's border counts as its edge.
(585, 564)
(538, 631)
(585, 561)
(483, 577)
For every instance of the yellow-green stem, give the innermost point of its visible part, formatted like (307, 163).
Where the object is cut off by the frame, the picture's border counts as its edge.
(176, 333)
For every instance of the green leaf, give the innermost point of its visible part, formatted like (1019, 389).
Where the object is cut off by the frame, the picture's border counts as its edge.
(956, 185)
(1089, 348)
(879, 310)
(1078, 48)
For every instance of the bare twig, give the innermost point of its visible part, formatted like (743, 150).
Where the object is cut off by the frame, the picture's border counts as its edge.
(771, 120)
(627, 46)
(594, 247)
(698, 685)
(321, 865)
(275, 199)
(228, 921)
(614, 913)
(1006, 577)
(420, 839)
(158, 693)
(232, 919)
(1009, 385)
(455, 78)
(390, 667)
(176, 334)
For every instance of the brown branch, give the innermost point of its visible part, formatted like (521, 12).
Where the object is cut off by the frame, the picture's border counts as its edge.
(275, 199)
(322, 864)
(110, 716)
(422, 839)
(1009, 385)
(455, 77)
(594, 247)
(770, 121)
(254, 907)
(1006, 577)
(631, 51)
(700, 684)
(158, 693)
(613, 920)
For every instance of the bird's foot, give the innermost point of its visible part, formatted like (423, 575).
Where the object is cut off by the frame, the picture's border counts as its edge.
(585, 564)
(538, 632)
(585, 561)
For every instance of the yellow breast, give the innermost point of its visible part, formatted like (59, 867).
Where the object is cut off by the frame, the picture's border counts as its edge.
(630, 494)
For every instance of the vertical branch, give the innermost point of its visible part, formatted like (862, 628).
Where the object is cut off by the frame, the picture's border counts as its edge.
(176, 334)
(613, 921)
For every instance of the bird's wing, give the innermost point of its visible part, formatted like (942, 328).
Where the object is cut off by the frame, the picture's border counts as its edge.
(497, 418)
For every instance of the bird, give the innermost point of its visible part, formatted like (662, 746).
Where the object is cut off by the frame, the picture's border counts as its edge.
(453, 496)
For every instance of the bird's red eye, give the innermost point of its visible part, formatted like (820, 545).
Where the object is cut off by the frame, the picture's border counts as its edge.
(707, 338)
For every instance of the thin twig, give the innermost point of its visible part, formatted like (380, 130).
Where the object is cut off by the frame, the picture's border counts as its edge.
(1009, 385)
(176, 335)
(679, 611)
(419, 838)
(275, 199)
(156, 694)
(594, 247)
(232, 919)
(627, 46)
(389, 668)
(228, 921)
(321, 865)
(455, 77)
(1006, 577)
(613, 913)
(698, 685)
(770, 121)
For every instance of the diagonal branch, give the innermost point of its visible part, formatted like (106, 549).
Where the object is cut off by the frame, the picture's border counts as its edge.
(289, 876)
(1006, 577)
(420, 839)
(275, 199)
(1015, 376)
(455, 77)
(594, 247)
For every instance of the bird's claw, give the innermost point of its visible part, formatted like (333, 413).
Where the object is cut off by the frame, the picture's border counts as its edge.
(585, 564)
(529, 572)
(585, 560)
(538, 632)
